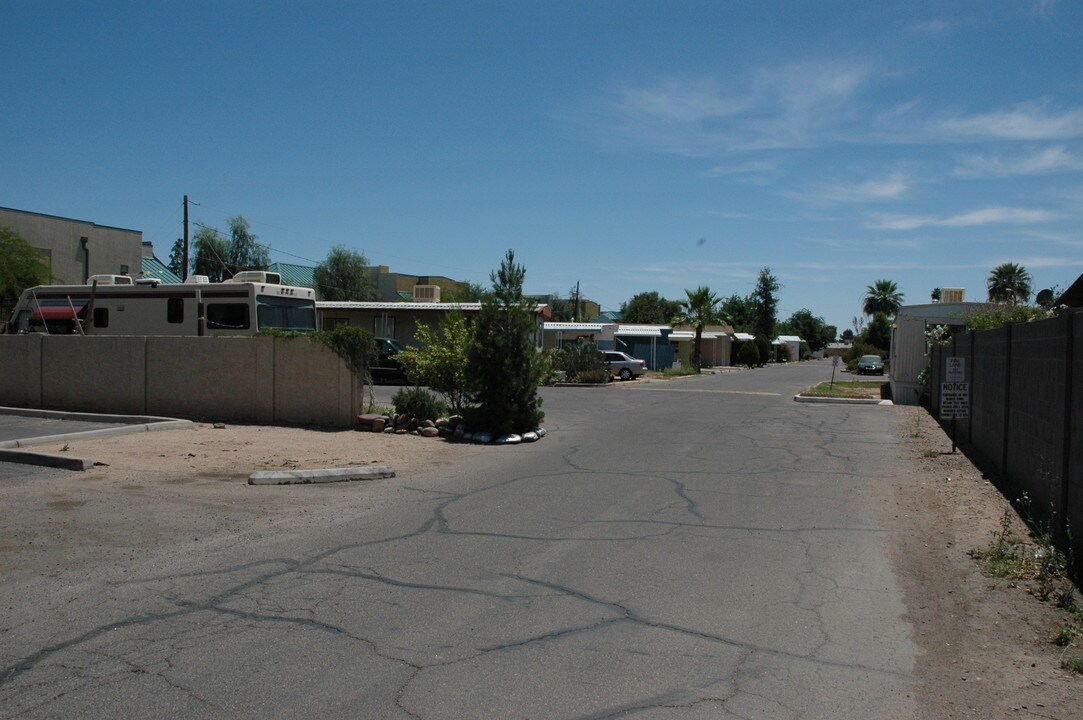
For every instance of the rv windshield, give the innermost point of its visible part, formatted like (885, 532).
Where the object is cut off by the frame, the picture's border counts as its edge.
(284, 313)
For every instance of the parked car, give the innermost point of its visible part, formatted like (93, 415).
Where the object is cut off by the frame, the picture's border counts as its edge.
(870, 365)
(623, 365)
(387, 367)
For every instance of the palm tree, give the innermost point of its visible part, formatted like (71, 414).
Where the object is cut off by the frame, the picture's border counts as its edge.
(699, 310)
(1009, 283)
(883, 297)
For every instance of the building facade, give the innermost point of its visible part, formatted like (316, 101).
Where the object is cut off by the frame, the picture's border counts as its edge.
(76, 249)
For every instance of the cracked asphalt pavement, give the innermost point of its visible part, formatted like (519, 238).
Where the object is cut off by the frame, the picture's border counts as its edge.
(703, 548)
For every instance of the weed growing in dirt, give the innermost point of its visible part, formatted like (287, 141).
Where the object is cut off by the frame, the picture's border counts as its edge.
(1043, 568)
(930, 454)
(1004, 558)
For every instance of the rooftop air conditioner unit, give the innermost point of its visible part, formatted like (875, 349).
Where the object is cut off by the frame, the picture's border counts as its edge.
(197, 279)
(427, 293)
(257, 276)
(109, 280)
(952, 295)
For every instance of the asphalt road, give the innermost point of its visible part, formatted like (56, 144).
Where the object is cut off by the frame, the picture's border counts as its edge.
(705, 548)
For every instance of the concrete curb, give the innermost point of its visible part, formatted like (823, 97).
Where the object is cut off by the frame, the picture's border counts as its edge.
(64, 462)
(841, 401)
(325, 475)
(165, 424)
(90, 417)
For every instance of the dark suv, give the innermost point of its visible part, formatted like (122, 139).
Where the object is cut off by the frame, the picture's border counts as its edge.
(387, 367)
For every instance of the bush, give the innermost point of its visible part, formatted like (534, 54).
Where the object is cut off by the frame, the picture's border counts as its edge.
(440, 360)
(582, 359)
(420, 403)
(764, 346)
(504, 367)
(595, 377)
(749, 354)
(356, 346)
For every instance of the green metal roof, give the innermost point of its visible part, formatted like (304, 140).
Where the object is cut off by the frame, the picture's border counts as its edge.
(296, 275)
(153, 268)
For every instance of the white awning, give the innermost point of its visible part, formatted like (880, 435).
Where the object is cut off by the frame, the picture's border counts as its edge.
(682, 335)
(628, 331)
(573, 327)
(743, 337)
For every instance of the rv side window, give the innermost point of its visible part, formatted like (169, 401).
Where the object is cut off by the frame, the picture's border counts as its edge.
(228, 316)
(175, 310)
(101, 317)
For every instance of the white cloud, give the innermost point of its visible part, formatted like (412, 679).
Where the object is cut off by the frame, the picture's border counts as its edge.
(934, 27)
(794, 105)
(983, 216)
(1037, 262)
(1026, 121)
(1039, 162)
(752, 170)
(891, 187)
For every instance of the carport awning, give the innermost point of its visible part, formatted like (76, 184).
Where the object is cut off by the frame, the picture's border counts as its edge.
(572, 327)
(682, 335)
(639, 332)
(743, 337)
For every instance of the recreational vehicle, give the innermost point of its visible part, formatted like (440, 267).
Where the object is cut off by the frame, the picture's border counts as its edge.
(118, 305)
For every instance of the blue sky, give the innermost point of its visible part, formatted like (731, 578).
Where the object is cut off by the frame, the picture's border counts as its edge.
(630, 146)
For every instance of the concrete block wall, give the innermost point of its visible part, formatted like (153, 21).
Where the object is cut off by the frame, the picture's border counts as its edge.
(20, 370)
(93, 374)
(1026, 415)
(261, 380)
(1036, 421)
(989, 398)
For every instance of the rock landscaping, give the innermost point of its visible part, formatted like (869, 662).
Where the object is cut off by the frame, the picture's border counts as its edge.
(450, 428)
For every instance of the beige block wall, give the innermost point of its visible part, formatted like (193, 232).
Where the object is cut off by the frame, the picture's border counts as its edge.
(213, 378)
(20, 371)
(312, 385)
(260, 380)
(93, 374)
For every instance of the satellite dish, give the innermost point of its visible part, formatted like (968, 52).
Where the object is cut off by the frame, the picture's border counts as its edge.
(1045, 297)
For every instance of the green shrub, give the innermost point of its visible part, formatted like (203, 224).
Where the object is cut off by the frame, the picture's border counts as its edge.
(749, 354)
(354, 345)
(580, 359)
(420, 403)
(504, 367)
(440, 359)
(593, 376)
(764, 346)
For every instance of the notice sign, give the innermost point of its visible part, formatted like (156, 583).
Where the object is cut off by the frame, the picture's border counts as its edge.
(954, 369)
(954, 400)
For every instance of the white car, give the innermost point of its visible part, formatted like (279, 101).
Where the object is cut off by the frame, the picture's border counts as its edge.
(623, 365)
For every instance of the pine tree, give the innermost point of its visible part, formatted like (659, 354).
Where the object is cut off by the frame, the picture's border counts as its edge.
(505, 367)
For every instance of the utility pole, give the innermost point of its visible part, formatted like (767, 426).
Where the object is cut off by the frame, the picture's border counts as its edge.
(575, 313)
(184, 271)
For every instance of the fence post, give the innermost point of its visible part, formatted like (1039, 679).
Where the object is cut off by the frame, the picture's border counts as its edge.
(1007, 397)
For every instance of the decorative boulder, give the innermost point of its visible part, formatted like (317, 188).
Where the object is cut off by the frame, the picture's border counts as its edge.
(509, 439)
(530, 436)
(429, 432)
(483, 438)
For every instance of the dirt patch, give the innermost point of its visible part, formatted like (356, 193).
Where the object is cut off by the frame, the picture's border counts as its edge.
(987, 646)
(158, 492)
